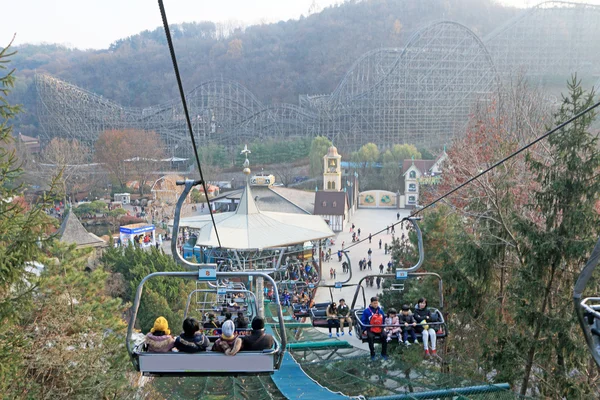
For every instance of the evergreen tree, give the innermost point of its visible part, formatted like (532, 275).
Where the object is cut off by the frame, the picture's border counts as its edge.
(19, 226)
(61, 336)
(162, 296)
(555, 245)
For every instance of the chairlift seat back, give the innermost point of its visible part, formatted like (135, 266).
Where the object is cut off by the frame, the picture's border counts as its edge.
(207, 363)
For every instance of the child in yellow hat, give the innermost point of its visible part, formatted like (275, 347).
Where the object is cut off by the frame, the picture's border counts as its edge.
(159, 340)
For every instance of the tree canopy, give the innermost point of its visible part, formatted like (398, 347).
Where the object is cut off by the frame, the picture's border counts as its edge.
(61, 334)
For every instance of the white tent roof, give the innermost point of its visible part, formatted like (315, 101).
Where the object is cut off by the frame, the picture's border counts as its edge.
(249, 228)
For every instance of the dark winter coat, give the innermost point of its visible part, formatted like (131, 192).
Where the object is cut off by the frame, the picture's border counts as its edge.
(257, 340)
(241, 323)
(344, 311)
(194, 344)
(409, 319)
(422, 314)
(212, 325)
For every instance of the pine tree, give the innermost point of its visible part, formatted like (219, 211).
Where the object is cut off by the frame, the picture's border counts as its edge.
(61, 335)
(555, 245)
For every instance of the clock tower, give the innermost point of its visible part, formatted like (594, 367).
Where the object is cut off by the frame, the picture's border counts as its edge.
(332, 172)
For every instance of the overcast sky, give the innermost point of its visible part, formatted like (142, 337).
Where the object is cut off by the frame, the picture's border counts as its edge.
(97, 23)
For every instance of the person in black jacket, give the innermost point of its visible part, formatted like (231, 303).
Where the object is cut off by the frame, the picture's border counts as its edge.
(258, 339)
(191, 340)
(408, 325)
(423, 316)
(241, 321)
(211, 323)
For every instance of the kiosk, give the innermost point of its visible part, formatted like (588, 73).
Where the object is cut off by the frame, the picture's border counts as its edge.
(130, 234)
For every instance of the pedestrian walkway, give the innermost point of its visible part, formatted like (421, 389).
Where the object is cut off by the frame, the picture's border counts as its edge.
(369, 221)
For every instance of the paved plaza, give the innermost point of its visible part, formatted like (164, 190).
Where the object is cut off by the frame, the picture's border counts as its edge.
(369, 221)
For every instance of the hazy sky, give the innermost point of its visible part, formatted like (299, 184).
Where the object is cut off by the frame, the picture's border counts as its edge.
(98, 23)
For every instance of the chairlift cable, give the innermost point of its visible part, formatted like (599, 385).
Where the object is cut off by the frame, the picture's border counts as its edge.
(514, 154)
(185, 109)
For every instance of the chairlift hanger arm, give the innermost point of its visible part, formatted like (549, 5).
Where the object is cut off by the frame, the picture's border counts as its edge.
(343, 283)
(359, 285)
(419, 245)
(188, 185)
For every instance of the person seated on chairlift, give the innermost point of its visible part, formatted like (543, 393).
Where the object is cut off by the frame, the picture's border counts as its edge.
(408, 325)
(191, 339)
(304, 300)
(258, 340)
(241, 321)
(211, 323)
(392, 319)
(344, 316)
(286, 298)
(423, 315)
(229, 343)
(373, 315)
(332, 319)
(159, 340)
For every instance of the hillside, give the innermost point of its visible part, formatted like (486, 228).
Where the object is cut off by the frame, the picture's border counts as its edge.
(277, 62)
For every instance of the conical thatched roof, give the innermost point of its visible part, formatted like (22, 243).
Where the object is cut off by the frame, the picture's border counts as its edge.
(72, 231)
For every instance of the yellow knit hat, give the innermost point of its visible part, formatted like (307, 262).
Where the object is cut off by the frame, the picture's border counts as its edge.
(161, 324)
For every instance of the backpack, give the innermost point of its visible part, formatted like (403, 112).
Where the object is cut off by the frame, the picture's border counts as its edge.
(376, 319)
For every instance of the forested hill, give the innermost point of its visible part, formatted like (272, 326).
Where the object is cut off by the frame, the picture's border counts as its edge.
(277, 62)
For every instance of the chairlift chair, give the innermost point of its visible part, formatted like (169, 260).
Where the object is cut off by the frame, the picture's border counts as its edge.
(203, 363)
(400, 276)
(439, 326)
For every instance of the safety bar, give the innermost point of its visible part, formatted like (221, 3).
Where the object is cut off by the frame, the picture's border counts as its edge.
(410, 275)
(194, 275)
(395, 325)
(358, 321)
(580, 306)
(593, 310)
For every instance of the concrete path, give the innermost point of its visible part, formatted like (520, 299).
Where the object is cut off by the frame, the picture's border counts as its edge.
(369, 221)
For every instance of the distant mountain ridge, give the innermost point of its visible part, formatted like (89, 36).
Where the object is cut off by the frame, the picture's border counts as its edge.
(277, 62)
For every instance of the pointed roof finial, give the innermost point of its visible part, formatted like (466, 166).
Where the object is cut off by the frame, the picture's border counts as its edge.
(245, 152)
